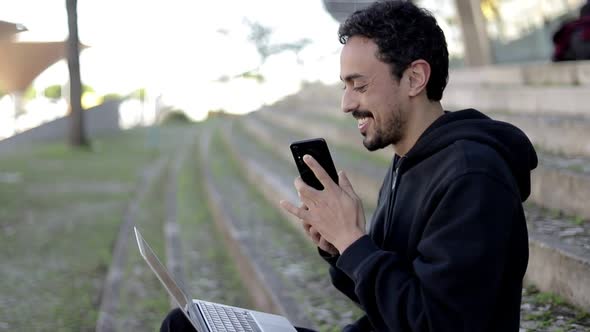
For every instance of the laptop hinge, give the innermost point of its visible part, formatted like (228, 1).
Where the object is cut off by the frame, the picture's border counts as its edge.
(197, 316)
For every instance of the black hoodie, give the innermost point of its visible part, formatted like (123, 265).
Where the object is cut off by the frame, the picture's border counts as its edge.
(448, 247)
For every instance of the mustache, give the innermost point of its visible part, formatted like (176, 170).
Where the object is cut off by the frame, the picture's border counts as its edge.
(361, 114)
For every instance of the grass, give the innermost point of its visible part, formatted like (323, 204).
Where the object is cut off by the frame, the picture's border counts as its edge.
(548, 307)
(577, 220)
(59, 219)
(576, 168)
(143, 302)
(211, 274)
(548, 298)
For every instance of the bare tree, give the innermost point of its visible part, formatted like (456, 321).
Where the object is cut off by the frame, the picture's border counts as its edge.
(77, 135)
(260, 36)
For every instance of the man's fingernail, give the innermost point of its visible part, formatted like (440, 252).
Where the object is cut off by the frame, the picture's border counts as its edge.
(306, 157)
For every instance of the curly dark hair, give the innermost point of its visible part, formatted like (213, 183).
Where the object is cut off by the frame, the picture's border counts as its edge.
(403, 33)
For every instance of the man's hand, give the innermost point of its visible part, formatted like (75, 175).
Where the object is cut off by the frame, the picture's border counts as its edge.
(335, 213)
(317, 238)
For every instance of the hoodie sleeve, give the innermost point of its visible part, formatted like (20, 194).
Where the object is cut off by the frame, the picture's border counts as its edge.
(339, 279)
(453, 282)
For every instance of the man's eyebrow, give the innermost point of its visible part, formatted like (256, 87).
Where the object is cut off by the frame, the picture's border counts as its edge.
(350, 77)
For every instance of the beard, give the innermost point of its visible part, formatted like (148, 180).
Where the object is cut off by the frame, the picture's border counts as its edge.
(391, 131)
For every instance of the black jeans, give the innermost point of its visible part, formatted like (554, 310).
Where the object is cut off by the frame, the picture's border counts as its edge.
(176, 321)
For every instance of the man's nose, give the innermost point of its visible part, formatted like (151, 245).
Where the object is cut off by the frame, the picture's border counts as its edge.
(349, 102)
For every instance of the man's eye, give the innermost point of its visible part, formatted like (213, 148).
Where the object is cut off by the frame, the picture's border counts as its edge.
(361, 88)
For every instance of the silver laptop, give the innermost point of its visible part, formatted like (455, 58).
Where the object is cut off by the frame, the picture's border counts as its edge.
(208, 316)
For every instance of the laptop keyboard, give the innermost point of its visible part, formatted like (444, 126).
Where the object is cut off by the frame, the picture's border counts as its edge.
(222, 318)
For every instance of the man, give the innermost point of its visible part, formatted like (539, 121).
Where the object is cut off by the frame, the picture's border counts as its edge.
(572, 39)
(447, 247)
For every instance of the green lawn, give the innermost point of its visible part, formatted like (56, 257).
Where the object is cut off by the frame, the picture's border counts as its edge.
(60, 213)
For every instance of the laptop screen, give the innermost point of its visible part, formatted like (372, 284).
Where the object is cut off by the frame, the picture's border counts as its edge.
(160, 271)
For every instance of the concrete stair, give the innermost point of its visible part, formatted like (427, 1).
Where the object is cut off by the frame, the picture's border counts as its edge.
(557, 213)
(550, 89)
(282, 272)
(557, 263)
(560, 182)
(255, 239)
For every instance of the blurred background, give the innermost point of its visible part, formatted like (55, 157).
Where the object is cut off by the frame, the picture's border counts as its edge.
(176, 116)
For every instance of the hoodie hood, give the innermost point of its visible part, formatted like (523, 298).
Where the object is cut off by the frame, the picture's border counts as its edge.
(509, 141)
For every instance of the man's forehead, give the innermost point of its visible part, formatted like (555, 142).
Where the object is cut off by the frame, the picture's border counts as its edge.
(358, 58)
(359, 46)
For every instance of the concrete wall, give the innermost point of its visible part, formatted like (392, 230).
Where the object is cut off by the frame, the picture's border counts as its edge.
(98, 120)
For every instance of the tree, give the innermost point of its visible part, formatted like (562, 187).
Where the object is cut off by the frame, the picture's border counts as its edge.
(260, 36)
(77, 135)
(112, 96)
(139, 94)
(52, 91)
(30, 93)
(87, 88)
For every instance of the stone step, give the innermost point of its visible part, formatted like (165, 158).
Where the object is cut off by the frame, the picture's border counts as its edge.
(534, 312)
(561, 135)
(533, 96)
(255, 280)
(543, 244)
(209, 271)
(539, 88)
(272, 173)
(557, 183)
(562, 183)
(286, 267)
(559, 255)
(345, 158)
(570, 73)
(550, 100)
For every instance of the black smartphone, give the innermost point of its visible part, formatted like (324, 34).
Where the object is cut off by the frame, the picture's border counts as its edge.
(318, 149)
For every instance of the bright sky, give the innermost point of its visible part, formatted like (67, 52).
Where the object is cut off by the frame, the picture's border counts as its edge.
(175, 47)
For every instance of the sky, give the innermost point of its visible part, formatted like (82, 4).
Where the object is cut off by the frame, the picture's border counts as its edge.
(180, 48)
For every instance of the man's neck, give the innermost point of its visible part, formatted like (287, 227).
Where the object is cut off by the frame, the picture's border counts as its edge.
(417, 122)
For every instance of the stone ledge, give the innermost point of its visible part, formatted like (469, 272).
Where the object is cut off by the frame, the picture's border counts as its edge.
(562, 135)
(555, 100)
(552, 266)
(553, 184)
(263, 297)
(553, 269)
(561, 189)
(571, 73)
(364, 185)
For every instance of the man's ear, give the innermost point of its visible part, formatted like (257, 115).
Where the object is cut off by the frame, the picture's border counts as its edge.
(418, 74)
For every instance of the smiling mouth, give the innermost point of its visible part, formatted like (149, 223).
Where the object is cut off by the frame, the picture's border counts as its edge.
(363, 121)
(363, 124)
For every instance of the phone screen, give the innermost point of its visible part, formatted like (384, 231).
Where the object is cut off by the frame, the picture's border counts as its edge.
(318, 149)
